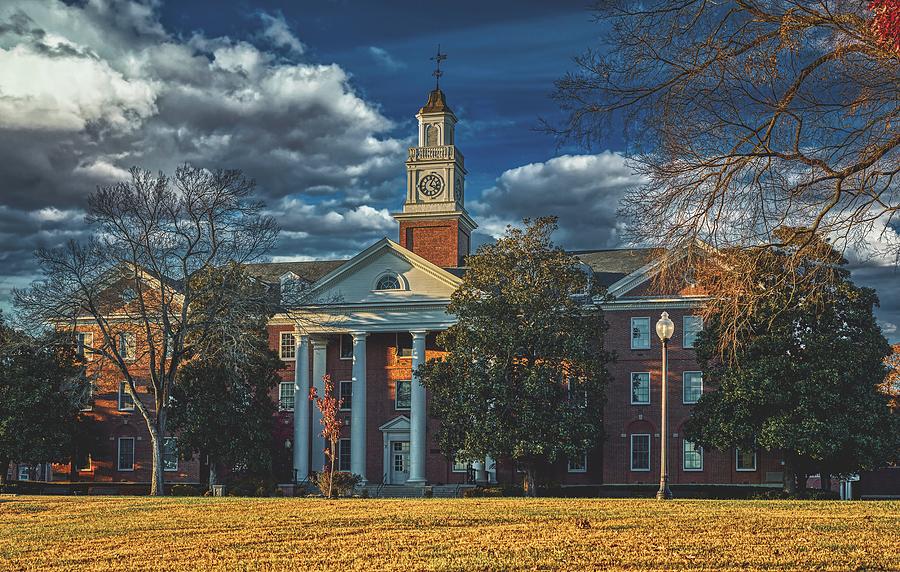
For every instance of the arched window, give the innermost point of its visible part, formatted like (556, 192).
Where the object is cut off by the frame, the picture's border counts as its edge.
(388, 282)
(432, 135)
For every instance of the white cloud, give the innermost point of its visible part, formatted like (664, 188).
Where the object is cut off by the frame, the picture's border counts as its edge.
(383, 58)
(584, 191)
(68, 92)
(888, 328)
(279, 33)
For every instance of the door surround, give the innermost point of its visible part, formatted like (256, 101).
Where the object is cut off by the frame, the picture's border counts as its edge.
(397, 429)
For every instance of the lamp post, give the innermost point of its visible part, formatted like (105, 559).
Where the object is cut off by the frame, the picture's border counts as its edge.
(664, 329)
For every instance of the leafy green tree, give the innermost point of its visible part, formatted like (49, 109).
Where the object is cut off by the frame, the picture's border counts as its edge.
(524, 335)
(221, 407)
(42, 389)
(805, 379)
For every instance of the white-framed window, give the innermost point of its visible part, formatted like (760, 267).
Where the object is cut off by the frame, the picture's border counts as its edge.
(286, 396)
(24, 473)
(127, 346)
(460, 466)
(640, 333)
(126, 402)
(640, 387)
(83, 341)
(404, 345)
(287, 346)
(691, 327)
(343, 455)
(346, 346)
(83, 461)
(692, 456)
(640, 452)
(87, 399)
(745, 461)
(388, 281)
(578, 464)
(403, 394)
(692, 386)
(125, 454)
(345, 392)
(170, 454)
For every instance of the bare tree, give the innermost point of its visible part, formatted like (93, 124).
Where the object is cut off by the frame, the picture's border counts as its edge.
(133, 283)
(745, 117)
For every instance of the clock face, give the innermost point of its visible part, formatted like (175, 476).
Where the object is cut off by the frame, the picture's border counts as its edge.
(430, 185)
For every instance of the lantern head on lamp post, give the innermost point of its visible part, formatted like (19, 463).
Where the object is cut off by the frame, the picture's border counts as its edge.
(665, 328)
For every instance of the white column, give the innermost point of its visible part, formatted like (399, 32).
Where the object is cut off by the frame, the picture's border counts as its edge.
(480, 474)
(417, 414)
(320, 347)
(358, 408)
(491, 467)
(301, 408)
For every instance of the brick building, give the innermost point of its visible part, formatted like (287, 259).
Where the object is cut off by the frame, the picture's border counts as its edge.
(370, 320)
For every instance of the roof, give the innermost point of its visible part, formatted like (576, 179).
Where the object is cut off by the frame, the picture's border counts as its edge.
(310, 270)
(611, 265)
(436, 103)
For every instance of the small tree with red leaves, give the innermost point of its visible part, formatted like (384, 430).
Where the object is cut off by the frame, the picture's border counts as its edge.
(332, 424)
(886, 22)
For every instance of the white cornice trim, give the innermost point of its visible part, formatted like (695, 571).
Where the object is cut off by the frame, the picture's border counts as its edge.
(643, 274)
(387, 244)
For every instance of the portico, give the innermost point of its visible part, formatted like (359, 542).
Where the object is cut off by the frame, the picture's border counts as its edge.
(386, 302)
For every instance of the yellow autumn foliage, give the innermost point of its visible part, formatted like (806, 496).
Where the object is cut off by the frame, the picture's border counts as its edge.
(190, 534)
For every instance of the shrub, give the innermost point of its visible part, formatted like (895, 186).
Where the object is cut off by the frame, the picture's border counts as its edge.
(497, 491)
(342, 484)
(250, 486)
(182, 490)
(806, 494)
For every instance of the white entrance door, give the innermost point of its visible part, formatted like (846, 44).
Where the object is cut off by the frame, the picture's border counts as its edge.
(399, 462)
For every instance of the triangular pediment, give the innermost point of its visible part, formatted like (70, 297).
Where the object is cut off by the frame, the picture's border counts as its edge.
(633, 283)
(368, 277)
(398, 424)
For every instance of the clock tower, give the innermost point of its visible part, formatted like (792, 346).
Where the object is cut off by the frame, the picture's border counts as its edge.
(434, 223)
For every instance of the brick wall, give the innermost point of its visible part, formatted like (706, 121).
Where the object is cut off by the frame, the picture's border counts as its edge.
(623, 419)
(111, 424)
(439, 241)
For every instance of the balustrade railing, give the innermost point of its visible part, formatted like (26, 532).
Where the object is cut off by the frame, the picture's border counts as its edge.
(442, 153)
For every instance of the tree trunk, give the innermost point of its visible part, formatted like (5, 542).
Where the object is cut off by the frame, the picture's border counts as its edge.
(213, 474)
(825, 481)
(789, 479)
(802, 479)
(530, 483)
(157, 484)
(4, 468)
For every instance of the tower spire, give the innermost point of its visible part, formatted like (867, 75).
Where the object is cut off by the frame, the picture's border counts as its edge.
(437, 73)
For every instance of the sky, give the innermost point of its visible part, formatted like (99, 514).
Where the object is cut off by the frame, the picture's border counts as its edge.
(315, 100)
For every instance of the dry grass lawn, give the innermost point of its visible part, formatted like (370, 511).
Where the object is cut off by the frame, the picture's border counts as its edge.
(175, 534)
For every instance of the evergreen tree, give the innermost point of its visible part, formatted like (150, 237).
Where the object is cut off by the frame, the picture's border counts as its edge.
(42, 389)
(221, 406)
(524, 334)
(806, 378)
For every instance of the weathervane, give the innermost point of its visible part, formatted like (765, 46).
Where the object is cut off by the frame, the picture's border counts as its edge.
(437, 59)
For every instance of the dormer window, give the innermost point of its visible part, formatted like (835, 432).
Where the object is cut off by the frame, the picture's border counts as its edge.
(388, 282)
(291, 287)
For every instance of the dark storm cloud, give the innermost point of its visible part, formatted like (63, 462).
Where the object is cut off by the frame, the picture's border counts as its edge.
(87, 91)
